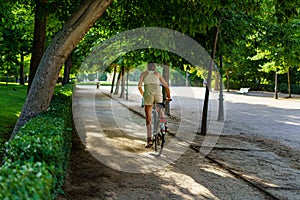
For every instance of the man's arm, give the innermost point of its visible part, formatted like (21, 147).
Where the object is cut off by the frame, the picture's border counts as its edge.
(140, 84)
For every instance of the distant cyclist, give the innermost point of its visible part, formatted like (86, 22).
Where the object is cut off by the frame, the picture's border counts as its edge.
(152, 94)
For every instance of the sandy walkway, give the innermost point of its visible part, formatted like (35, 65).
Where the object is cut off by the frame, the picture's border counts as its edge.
(253, 165)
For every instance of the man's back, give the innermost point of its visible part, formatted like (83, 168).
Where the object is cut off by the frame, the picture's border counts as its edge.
(151, 84)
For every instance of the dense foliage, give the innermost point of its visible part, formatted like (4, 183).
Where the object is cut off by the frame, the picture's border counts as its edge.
(37, 157)
(257, 38)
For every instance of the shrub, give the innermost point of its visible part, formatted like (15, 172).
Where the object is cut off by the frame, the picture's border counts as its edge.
(44, 139)
(25, 181)
(282, 87)
(8, 79)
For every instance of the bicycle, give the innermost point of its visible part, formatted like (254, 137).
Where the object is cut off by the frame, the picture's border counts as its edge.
(159, 125)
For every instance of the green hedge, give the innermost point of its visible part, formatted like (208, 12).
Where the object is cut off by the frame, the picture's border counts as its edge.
(38, 155)
(295, 88)
(8, 79)
(25, 181)
(282, 87)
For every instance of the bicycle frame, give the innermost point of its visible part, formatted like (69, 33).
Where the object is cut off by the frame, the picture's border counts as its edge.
(158, 125)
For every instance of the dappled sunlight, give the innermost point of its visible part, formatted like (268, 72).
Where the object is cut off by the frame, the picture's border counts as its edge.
(91, 126)
(186, 187)
(217, 171)
(121, 133)
(260, 181)
(294, 117)
(291, 123)
(128, 144)
(111, 153)
(116, 137)
(18, 114)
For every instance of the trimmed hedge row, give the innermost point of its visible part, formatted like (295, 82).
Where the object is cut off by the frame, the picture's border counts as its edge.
(282, 87)
(8, 79)
(37, 158)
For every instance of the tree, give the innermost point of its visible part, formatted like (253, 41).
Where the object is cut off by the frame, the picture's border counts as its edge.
(279, 39)
(119, 79)
(114, 77)
(61, 46)
(197, 19)
(206, 99)
(67, 69)
(58, 11)
(122, 95)
(16, 31)
(39, 39)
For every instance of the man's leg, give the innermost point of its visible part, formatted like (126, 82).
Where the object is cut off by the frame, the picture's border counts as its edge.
(148, 112)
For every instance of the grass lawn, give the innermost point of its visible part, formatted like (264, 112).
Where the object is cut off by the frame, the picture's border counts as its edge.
(12, 98)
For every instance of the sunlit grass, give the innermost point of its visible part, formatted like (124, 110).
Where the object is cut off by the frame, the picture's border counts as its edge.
(12, 98)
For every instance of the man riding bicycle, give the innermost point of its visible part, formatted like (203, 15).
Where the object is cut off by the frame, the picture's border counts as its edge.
(152, 95)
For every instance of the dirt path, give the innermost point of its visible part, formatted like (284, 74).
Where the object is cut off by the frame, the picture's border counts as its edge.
(238, 167)
(188, 178)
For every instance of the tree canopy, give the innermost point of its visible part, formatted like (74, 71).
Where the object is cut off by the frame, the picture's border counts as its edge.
(256, 38)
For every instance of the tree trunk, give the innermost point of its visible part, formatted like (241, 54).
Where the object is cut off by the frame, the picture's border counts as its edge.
(61, 46)
(166, 76)
(276, 85)
(217, 81)
(227, 80)
(39, 39)
(127, 83)
(22, 82)
(221, 99)
(67, 69)
(186, 78)
(118, 83)
(122, 95)
(113, 80)
(208, 85)
(258, 81)
(289, 83)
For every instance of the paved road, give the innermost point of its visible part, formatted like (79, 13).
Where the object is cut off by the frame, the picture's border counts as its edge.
(257, 113)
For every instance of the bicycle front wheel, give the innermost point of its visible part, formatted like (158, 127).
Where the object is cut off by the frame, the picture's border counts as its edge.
(156, 142)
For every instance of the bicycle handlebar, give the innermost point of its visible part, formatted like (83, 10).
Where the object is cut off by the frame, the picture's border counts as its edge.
(167, 99)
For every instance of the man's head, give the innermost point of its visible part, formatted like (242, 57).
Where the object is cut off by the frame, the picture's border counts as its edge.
(151, 66)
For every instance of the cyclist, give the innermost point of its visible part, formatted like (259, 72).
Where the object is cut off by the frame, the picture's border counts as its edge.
(152, 94)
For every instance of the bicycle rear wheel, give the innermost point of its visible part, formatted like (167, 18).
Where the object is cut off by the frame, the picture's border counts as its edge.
(154, 128)
(162, 140)
(158, 129)
(158, 141)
